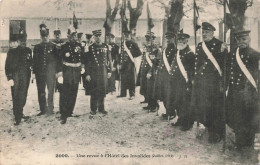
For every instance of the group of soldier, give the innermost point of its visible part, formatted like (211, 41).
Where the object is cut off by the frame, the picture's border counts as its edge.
(212, 86)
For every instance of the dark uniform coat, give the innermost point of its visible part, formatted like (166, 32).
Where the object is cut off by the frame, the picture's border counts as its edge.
(18, 68)
(115, 61)
(146, 85)
(46, 63)
(179, 92)
(128, 70)
(97, 68)
(207, 97)
(162, 75)
(243, 98)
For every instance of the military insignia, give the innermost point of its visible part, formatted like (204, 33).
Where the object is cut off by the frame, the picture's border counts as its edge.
(67, 54)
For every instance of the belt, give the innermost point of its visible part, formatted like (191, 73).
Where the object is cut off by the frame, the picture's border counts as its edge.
(74, 65)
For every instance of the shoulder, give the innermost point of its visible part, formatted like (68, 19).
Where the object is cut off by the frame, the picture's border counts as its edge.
(254, 53)
(28, 49)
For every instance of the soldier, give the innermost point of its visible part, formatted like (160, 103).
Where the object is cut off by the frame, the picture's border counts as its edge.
(243, 95)
(207, 96)
(58, 42)
(127, 69)
(71, 54)
(88, 42)
(98, 73)
(18, 72)
(147, 72)
(46, 63)
(181, 75)
(115, 61)
(162, 75)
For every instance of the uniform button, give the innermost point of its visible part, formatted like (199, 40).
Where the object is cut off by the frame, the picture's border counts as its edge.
(231, 72)
(240, 74)
(237, 83)
(238, 79)
(232, 82)
(206, 62)
(232, 78)
(242, 56)
(176, 66)
(231, 68)
(246, 61)
(203, 67)
(202, 73)
(196, 73)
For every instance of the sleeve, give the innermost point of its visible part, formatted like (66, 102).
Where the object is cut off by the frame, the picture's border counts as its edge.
(88, 61)
(8, 65)
(110, 65)
(35, 59)
(191, 65)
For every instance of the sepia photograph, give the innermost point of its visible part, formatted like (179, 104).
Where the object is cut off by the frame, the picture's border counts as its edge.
(129, 82)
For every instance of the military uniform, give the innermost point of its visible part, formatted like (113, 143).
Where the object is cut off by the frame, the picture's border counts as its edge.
(128, 70)
(97, 69)
(46, 63)
(242, 97)
(71, 54)
(162, 75)
(18, 68)
(115, 62)
(179, 93)
(207, 96)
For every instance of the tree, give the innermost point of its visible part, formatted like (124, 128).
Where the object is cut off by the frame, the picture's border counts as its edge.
(110, 16)
(135, 13)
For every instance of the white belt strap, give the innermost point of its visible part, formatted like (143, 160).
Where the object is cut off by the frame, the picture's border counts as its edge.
(168, 68)
(148, 59)
(245, 70)
(211, 58)
(182, 69)
(129, 53)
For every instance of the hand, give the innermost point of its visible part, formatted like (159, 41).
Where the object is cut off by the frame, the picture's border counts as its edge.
(88, 78)
(11, 82)
(86, 49)
(148, 76)
(82, 70)
(33, 77)
(60, 80)
(113, 69)
(257, 142)
(59, 74)
(109, 47)
(223, 47)
(109, 75)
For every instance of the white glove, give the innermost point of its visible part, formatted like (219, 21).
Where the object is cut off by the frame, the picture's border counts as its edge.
(148, 76)
(109, 75)
(11, 82)
(60, 80)
(82, 71)
(88, 78)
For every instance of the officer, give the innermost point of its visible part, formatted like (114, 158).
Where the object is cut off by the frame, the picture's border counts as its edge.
(58, 43)
(46, 64)
(207, 97)
(71, 54)
(127, 69)
(181, 75)
(98, 73)
(18, 72)
(243, 91)
(115, 61)
(147, 72)
(162, 75)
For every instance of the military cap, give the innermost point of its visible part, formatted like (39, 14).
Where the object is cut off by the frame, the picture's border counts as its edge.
(79, 35)
(169, 35)
(111, 35)
(242, 33)
(183, 36)
(97, 32)
(88, 36)
(71, 31)
(150, 34)
(42, 26)
(208, 26)
(56, 32)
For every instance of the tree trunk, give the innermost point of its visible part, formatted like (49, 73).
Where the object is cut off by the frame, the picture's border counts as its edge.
(135, 13)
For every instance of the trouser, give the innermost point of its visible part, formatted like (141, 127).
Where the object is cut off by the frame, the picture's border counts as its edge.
(19, 93)
(112, 83)
(97, 103)
(43, 80)
(68, 96)
(152, 103)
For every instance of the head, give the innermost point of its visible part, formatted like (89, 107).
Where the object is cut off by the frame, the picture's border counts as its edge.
(57, 34)
(170, 37)
(149, 37)
(243, 39)
(73, 37)
(207, 31)
(111, 38)
(182, 41)
(97, 34)
(88, 37)
(127, 35)
(79, 36)
(44, 31)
